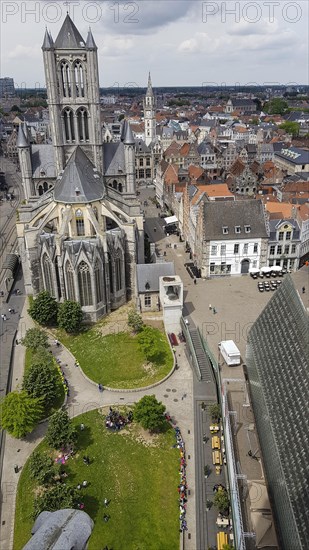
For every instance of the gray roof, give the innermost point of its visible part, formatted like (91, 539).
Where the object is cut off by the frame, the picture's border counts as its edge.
(128, 137)
(114, 162)
(149, 91)
(61, 530)
(241, 102)
(43, 160)
(231, 214)
(21, 138)
(80, 181)
(275, 223)
(205, 148)
(69, 37)
(150, 273)
(48, 41)
(295, 155)
(90, 41)
(141, 146)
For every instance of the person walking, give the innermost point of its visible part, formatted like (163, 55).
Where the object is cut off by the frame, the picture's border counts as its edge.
(303, 290)
(100, 388)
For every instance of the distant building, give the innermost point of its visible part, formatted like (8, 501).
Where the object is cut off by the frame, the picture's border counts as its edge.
(293, 160)
(284, 243)
(7, 87)
(277, 370)
(241, 106)
(148, 284)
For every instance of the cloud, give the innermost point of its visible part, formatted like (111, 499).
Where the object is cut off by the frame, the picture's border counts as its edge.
(261, 27)
(20, 52)
(115, 46)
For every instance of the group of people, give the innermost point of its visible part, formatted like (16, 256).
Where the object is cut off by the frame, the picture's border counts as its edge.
(182, 487)
(115, 421)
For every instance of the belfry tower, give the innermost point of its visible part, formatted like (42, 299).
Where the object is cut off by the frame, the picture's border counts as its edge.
(149, 114)
(72, 82)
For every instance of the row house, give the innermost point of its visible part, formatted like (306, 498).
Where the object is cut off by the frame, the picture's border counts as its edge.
(183, 155)
(208, 158)
(284, 243)
(242, 179)
(302, 217)
(165, 174)
(293, 160)
(144, 166)
(231, 237)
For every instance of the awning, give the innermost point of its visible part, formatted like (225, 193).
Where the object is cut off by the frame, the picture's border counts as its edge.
(170, 219)
(11, 262)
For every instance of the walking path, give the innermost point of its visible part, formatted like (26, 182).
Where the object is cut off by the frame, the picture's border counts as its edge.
(176, 393)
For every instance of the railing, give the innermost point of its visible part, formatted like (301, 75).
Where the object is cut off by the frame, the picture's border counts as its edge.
(192, 354)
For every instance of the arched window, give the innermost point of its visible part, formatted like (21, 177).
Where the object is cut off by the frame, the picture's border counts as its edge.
(110, 273)
(98, 277)
(115, 184)
(40, 189)
(68, 121)
(80, 225)
(45, 186)
(79, 79)
(84, 284)
(120, 187)
(82, 125)
(66, 79)
(70, 282)
(118, 270)
(48, 275)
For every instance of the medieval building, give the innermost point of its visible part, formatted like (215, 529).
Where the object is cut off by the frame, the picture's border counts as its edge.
(80, 232)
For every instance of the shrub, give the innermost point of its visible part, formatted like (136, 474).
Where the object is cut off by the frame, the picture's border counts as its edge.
(42, 468)
(150, 413)
(60, 430)
(19, 413)
(70, 316)
(44, 309)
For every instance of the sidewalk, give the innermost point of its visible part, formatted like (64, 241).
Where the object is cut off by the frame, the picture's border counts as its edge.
(176, 393)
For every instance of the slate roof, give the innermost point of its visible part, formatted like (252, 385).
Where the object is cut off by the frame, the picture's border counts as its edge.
(141, 146)
(114, 162)
(69, 37)
(80, 181)
(231, 214)
(150, 273)
(241, 102)
(205, 148)
(42, 158)
(295, 155)
(61, 530)
(21, 138)
(274, 224)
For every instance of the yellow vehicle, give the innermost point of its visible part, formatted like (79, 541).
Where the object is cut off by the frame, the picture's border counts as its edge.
(215, 442)
(222, 539)
(217, 458)
(214, 429)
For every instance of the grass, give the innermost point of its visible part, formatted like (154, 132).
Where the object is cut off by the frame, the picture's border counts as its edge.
(59, 399)
(115, 360)
(138, 475)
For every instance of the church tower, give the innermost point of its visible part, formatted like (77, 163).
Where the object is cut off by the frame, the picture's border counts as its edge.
(149, 114)
(72, 82)
(25, 164)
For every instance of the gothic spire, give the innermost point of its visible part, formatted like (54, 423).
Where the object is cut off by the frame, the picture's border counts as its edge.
(69, 36)
(149, 87)
(21, 138)
(48, 41)
(90, 43)
(128, 136)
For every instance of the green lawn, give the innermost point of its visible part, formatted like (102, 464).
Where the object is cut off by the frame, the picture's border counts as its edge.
(139, 476)
(58, 402)
(115, 360)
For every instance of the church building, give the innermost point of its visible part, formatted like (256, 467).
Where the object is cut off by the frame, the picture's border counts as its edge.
(80, 231)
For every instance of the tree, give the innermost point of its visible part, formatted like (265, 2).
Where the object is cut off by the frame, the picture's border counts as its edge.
(228, 547)
(290, 127)
(215, 412)
(276, 106)
(148, 342)
(70, 316)
(135, 321)
(150, 413)
(42, 468)
(19, 413)
(222, 501)
(41, 380)
(58, 496)
(44, 309)
(60, 430)
(35, 338)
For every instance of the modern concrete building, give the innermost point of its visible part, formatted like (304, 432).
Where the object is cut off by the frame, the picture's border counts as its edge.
(278, 379)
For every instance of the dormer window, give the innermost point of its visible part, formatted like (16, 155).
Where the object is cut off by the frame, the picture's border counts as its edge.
(237, 229)
(247, 228)
(225, 230)
(147, 286)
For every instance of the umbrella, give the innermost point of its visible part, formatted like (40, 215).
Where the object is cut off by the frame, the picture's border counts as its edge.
(254, 270)
(266, 269)
(276, 268)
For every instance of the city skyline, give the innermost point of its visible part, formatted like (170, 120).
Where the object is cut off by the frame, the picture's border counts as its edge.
(183, 43)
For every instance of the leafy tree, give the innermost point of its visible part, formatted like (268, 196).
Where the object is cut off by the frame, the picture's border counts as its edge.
(135, 321)
(42, 468)
(148, 342)
(70, 316)
(19, 413)
(44, 309)
(60, 430)
(290, 127)
(228, 547)
(276, 106)
(222, 501)
(35, 338)
(215, 411)
(41, 380)
(58, 496)
(150, 413)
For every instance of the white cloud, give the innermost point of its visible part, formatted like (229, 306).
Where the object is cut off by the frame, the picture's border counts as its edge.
(115, 46)
(20, 51)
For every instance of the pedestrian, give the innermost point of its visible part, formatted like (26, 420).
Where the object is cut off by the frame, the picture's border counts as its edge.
(85, 483)
(214, 310)
(86, 460)
(16, 342)
(100, 387)
(105, 502)
(195, 280)
(1, 293)
(82, 427)
(106, 518)
(210, 306)
(303, 290)
(4, 317)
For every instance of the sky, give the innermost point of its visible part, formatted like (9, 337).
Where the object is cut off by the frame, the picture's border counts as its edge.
(182, 42)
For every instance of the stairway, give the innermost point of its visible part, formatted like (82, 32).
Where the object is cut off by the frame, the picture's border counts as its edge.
(202, 359)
